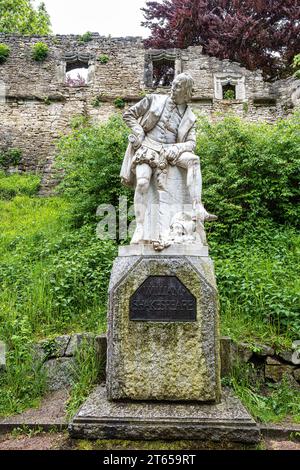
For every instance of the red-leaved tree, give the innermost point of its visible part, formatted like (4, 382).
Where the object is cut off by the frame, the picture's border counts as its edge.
(261, 34)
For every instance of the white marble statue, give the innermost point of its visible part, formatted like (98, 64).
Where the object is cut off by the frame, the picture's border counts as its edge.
(161, 165)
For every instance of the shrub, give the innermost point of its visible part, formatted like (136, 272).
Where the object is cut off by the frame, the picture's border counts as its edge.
(86, 37)
(11, 157)
(40, 51)
(91, 158)
(119, 103)
(103, 59)
(250, 171)
(4, 53)
(229, 95)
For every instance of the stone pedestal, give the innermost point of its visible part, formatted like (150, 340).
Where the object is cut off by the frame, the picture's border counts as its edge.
(227, 421)
(163, 337)
(163, 365)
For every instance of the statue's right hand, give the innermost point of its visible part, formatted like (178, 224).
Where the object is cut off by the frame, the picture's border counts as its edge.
(136, 140)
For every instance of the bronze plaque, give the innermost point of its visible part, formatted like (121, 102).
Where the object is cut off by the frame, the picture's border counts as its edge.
(163, 299)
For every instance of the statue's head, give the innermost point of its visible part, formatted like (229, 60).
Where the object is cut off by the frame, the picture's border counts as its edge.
(182, 88)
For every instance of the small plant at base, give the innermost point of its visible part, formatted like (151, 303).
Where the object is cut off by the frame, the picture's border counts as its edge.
(4, 53)
(86, 372)
(47, 101)
(26, 431)
(40, 51)
(245, 107)
(11, 157)
(119, 103)
(103, 59)
(96, 103)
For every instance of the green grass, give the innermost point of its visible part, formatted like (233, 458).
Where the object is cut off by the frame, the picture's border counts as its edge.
(266, 402)
(16, 184)
(86, 372)
(54, 280)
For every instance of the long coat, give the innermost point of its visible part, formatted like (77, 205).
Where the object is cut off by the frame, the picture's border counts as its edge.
(146, 114)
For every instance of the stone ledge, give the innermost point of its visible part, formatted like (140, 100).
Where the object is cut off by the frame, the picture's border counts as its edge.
(227, 421)
(173, 250)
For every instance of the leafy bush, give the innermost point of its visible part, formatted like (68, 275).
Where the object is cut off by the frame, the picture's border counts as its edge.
(119, 103)
(103, 59)
(11, 157)
(229, 95)
(250, 171)
(11, 186)
(86, 37)
(258, 281)
(4, 53)
(91, 158)
(40, 51)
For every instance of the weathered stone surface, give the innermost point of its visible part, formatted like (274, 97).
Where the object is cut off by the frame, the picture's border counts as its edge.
(101, 353)
(277, 372)
(286, 356)
(163, 361)
(243, 351)
(75, 342)
(263, 350)
(273, 361)
(34, 96)
(59, 373)
(51, 348)
(102, 419)
(297, 374)
(2, 356)
(227, 355)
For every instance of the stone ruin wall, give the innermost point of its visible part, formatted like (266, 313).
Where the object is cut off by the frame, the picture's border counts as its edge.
(37, 106)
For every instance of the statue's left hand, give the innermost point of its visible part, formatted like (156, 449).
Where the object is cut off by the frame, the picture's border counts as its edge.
(171, 153)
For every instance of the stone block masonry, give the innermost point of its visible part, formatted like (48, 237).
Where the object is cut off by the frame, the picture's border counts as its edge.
(37, 105)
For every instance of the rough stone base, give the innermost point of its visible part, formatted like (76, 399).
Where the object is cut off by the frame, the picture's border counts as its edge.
(227, 421)
(163, 360)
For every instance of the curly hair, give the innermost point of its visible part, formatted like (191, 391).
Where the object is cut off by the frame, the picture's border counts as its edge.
(187, 82)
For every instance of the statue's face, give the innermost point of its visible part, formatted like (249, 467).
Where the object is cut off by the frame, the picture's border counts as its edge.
(178, 93)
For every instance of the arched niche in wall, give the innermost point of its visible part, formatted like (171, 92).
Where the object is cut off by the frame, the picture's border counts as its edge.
(76, 69)
(161, 67)
(223, 82)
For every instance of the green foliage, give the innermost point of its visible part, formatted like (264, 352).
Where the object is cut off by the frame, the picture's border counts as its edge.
(4, 53)
(96, 103)
(20, 16)
(11, 157)
(229, 95)
(91, 158)
(24, 381)
(11, 186)
(85, 373)
(40, 51)
(119, 103)
(103, 59)
(58, 278)
(86, 37)
(267, 404)
(258, 279)
(250, 171)
(296, 66)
